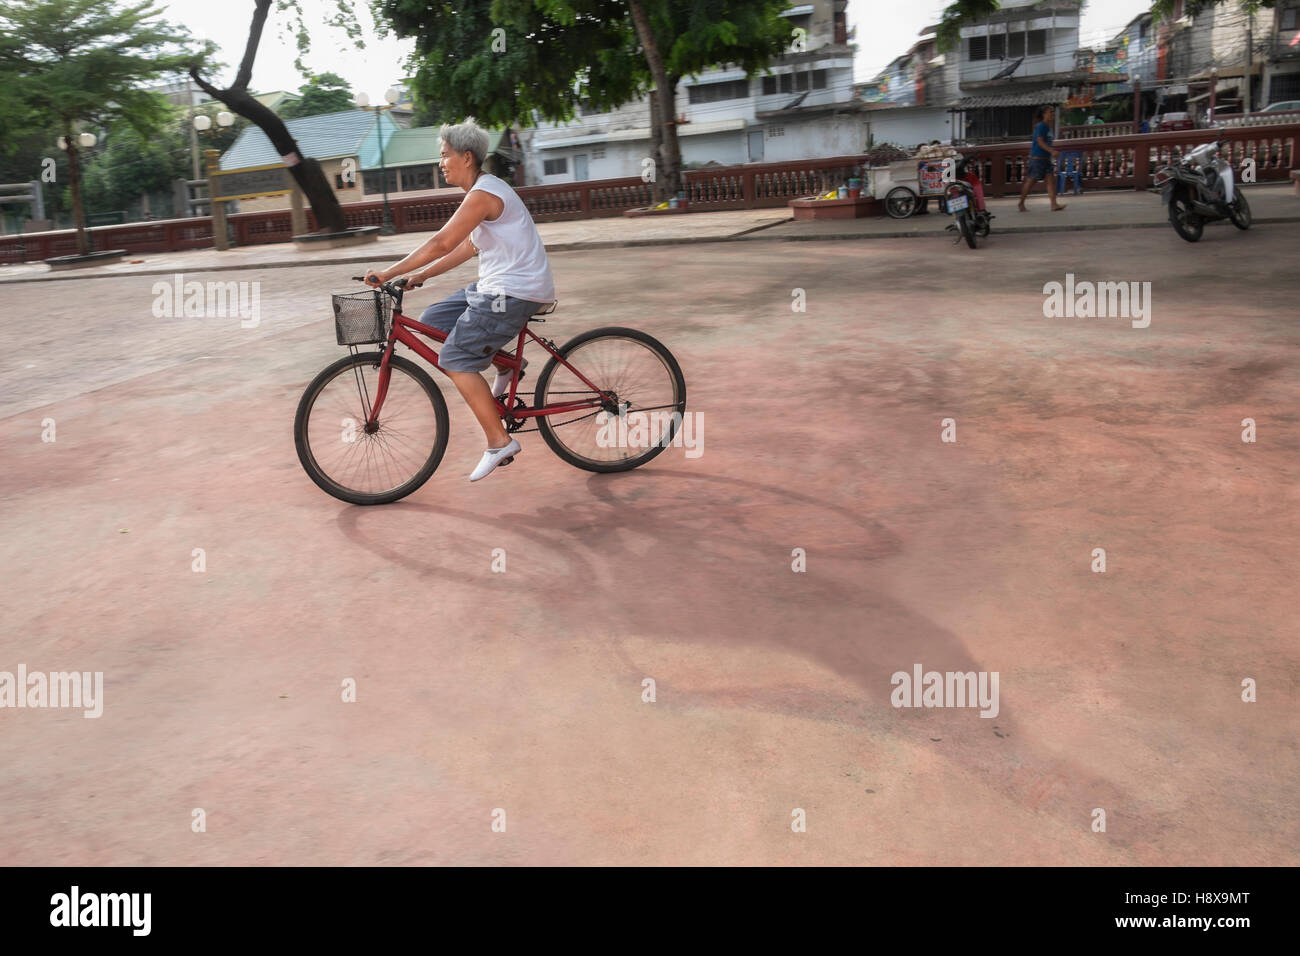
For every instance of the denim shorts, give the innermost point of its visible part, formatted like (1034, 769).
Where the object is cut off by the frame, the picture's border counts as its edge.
(1039, 167)
(478, 326)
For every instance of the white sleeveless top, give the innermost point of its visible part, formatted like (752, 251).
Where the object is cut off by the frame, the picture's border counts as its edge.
(512, 259)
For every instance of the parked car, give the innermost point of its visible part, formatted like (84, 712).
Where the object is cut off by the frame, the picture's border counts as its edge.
(1172, 121)
(1284, 107)
(1221, 109)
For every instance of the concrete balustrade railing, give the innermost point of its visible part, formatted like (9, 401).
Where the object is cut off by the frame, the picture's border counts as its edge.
(712, 188)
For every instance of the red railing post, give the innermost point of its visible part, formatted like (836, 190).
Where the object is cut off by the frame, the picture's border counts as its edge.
(1141, 165)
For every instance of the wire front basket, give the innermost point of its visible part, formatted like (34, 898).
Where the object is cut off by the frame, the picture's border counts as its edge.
(362, 317)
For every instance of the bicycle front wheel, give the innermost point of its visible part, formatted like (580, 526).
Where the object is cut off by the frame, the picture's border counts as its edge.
(648, 400)
(386, 462)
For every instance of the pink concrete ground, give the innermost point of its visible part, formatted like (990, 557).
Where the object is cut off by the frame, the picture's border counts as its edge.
(522, 690)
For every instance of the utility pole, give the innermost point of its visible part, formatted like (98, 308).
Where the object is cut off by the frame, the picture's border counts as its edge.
(1250, 63)
(194, 133)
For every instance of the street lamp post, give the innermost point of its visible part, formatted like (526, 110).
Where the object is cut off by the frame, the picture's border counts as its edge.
(201, 124)
(363, 102)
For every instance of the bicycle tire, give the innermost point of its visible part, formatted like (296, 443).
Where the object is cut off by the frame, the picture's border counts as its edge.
(302, 422)
(547, 428)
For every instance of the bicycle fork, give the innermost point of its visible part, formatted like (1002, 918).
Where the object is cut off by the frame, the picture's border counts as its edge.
(381, 389)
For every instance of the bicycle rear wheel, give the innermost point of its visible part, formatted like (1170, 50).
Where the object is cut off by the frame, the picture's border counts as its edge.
(649, 400)
(386, 463)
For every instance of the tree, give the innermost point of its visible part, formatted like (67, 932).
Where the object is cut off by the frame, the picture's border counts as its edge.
(80, 63)
(685, 37)
(513, 60)
(1161, 9)
(503, 61)
(957, 15)
(128, 166)
(16, 117)
(322, 93)
(306, 171)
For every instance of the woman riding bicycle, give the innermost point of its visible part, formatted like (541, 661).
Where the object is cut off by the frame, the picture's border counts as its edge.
(514, 281)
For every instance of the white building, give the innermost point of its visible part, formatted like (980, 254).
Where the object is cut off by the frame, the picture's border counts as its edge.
(988, 87)
(804, 108)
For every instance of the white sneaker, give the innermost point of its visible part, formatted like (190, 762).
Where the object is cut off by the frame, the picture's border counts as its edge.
(493, 457)
(502, 383)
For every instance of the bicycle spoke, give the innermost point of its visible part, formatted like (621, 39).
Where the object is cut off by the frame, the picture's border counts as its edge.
(643, 383)
(371, 463)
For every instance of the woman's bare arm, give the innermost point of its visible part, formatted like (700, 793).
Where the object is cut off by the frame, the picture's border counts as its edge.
(462, 253)
(476, 207)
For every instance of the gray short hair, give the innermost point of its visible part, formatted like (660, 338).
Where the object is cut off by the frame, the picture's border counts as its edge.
(466, 137)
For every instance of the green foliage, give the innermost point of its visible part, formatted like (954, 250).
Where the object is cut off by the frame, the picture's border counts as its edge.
(83, 62)
(128, 165)
(956, 16)
(15, 115)
(552, 56)
(697, 34)
(322, 93)
(343, 17)
(537, 62)
(1161, 9)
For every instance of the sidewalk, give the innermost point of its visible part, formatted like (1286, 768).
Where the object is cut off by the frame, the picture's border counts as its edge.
(1127, 209)
(1111, 209)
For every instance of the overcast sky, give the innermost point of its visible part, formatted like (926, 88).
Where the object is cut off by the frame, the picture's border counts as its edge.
(886, 28)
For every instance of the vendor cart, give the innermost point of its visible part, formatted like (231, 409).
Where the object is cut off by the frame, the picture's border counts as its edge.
(913, 182)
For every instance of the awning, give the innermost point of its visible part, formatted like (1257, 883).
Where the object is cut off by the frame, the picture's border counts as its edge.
(1040, 97)
(1225, 94)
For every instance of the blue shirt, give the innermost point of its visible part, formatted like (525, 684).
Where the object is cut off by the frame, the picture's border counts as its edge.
(1045, 131)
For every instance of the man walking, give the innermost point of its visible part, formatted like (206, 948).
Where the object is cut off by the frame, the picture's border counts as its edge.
(1041, 154)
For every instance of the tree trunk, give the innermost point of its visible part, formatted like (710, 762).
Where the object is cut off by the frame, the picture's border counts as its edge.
(307, 173)
(656, 149)
(669, 175)
(74, 185)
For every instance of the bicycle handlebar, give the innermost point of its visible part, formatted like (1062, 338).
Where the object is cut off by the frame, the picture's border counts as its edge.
(393, 288)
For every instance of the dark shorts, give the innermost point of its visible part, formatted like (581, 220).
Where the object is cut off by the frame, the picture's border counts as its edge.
(479, 325)
(1039, 167)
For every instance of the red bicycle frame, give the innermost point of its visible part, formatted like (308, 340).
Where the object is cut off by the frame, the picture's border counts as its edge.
(403, 331)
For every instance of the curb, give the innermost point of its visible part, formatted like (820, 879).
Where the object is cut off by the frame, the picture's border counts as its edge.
(1091, 227)
(747, 235)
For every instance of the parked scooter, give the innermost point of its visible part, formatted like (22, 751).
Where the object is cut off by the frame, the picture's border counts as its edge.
(1200, 189)
(964, 199)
